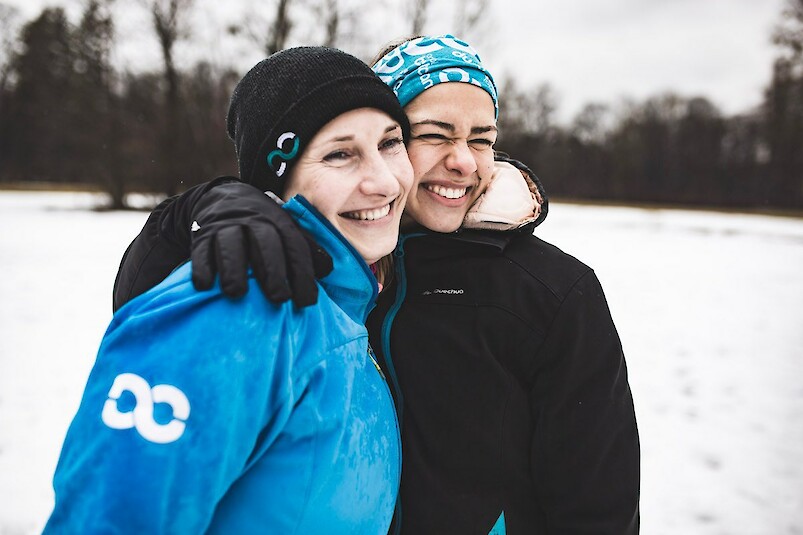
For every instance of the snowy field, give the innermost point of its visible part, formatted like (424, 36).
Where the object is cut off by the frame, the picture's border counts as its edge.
(709, 308)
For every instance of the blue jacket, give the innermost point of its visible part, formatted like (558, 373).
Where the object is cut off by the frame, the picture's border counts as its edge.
(206, 414)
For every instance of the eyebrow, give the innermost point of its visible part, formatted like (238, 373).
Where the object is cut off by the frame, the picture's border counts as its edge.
(440, 124)
(349, 137)
(451, 128)
(484, 129)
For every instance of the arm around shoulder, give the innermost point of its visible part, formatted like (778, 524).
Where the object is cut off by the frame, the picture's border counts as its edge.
(162, 245)
(224, 225)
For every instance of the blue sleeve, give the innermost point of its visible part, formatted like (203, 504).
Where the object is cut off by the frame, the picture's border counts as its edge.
(186, 385)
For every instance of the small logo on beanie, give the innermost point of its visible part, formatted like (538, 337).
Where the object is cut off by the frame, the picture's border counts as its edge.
(281, 153)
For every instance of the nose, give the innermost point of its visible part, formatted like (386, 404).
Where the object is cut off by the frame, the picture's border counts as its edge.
(378, 178)
(460, 159)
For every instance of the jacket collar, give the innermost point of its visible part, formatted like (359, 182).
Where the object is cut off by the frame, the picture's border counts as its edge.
(351, 284)
(488, 238)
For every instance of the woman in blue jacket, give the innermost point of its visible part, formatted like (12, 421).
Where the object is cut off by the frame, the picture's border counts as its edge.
(206, 414)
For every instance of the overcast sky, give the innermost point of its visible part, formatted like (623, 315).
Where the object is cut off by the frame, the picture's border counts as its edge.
(602, 49)
(588, 50)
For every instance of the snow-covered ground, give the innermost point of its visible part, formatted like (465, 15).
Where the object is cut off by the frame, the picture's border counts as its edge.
(709, 307)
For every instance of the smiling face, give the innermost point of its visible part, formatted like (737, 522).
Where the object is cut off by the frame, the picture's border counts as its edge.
(451, 149)
(356, 172)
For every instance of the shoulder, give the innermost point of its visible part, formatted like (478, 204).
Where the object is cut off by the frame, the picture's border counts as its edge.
(494, 261)
(175, 301)
(175, 314)
(520, 273)
(510, 260)
(546, 264)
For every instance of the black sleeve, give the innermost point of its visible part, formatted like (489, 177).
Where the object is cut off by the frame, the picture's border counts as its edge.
(162, 245)
(585, 448)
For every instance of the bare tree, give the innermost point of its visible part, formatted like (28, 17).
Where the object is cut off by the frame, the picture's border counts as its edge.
(342, 23)
(416, 13)
(169, 23)
(783, 107)
(592, 123)
(331, 16)
(337, 23)
(9, 29)
(789, 33)
(529, 111)
(269, 33)
(469, 14)
(97, 135)
(9, 26)
(276, 38)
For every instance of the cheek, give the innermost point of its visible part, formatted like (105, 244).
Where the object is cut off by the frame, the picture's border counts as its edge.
(422, 159)
(485, 164)
(332, 204)
(404, 173)
(401, 168)
(327, 192)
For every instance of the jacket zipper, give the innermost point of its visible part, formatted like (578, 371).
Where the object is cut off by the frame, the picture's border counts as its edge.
(397, 507)
(387, 323)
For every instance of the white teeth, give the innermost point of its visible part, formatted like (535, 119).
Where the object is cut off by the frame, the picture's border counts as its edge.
(449, 193)
(369, 215)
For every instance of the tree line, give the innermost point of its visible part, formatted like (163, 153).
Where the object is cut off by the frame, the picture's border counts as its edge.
(67, 115)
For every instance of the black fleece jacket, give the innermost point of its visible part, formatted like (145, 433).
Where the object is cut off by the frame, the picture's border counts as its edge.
(511, 389)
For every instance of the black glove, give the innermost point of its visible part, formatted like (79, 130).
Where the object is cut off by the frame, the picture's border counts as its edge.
(234, 224)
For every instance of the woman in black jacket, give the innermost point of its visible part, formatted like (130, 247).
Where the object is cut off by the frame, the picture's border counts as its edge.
(508, 373)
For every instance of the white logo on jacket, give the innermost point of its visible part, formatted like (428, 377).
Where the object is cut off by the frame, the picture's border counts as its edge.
(141, 416)
(450, 291)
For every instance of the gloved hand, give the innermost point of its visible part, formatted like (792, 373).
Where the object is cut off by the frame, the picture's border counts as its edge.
(235, 224)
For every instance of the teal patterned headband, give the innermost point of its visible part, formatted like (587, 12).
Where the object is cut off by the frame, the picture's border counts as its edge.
(414, 66)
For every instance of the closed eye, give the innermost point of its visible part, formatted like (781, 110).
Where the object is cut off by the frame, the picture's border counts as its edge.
(482, 142)
(432, 137)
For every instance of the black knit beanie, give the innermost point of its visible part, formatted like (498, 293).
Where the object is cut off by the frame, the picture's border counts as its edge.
(282, 102)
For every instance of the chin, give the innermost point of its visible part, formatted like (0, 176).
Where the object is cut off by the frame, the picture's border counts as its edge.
(441, 224)
(375, 254)
(437, 218)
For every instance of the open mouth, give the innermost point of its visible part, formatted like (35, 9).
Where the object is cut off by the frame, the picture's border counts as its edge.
(447, 193)
(368, 215)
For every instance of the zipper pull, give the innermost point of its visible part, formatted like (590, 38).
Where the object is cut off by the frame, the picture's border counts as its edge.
(376, 364)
